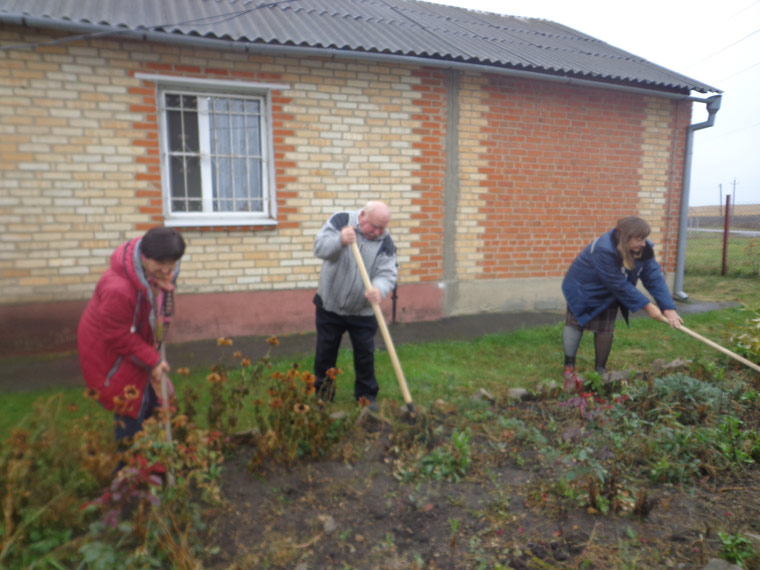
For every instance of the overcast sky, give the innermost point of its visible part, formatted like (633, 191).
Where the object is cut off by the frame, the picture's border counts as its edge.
(717, 43)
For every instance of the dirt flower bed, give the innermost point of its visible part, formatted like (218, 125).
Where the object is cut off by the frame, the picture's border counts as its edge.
(653, 470)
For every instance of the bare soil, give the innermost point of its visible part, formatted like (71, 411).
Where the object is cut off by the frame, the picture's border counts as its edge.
(353, 511)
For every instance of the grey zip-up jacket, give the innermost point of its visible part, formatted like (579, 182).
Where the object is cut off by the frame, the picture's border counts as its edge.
(340, 283)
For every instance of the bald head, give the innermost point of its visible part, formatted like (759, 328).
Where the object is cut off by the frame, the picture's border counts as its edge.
(373, 219)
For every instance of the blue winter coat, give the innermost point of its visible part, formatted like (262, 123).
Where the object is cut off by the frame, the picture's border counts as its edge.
(597, 278)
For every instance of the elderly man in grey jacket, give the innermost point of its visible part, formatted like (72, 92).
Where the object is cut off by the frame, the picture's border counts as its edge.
(341, 300)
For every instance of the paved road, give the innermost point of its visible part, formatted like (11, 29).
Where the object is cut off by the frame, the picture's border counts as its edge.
(62, 370)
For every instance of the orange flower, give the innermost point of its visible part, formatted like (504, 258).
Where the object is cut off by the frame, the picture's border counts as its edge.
(183, 371)
(237, 354)
(245, 362)
(119, 404)
(275, 403)
(257, 402)
(309, 389)
(131, 392)
(214, 378)
(308, 378)
(273, 341)
(223, 341)
(91, 393)
(72, 407)
(332, 373)
(362, 402)
(301, 408)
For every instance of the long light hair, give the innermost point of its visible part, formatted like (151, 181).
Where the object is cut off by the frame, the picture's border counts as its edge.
(628, 228)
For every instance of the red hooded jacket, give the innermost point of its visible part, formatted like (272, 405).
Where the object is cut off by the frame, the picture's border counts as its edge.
(115, 337)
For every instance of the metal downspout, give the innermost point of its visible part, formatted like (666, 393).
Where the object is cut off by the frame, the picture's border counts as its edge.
(713, 106)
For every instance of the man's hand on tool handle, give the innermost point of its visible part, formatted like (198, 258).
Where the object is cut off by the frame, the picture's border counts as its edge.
(347, 235)
(667, 316)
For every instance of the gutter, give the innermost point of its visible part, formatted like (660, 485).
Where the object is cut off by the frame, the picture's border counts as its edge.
(297, 51)
(713, 106)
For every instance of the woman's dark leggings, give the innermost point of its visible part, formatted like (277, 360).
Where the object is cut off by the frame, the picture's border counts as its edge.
(571, 340)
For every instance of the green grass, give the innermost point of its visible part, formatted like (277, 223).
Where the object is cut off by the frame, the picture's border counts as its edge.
(456, 369)
(704, 255)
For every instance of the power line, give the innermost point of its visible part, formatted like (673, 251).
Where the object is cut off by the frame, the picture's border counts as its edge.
(738, 72)
(721, 50)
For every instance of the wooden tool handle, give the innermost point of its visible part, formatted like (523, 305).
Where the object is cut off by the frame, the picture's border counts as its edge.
(165, 397)
(383, 327)
(716, 346)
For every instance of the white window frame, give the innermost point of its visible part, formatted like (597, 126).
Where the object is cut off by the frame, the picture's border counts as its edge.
(216, 88)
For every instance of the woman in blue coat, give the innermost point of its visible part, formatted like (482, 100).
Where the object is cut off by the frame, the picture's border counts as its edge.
(602, 279)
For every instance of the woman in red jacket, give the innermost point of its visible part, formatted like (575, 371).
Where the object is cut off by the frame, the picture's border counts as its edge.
(122, 327)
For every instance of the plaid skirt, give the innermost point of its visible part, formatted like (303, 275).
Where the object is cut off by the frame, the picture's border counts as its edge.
(604, 322)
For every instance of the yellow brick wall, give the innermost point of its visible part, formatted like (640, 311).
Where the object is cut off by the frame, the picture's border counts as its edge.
(73, 126)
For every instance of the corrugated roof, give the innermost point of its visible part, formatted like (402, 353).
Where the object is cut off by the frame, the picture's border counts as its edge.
(396, 27)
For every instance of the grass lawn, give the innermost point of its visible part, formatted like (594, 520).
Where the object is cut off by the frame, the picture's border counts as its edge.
(704, 255)
(456, 369)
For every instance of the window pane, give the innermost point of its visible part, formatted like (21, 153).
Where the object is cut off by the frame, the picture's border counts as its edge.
(193, 177)
(182, 123)
(223, 185)
(220, 134)
(256, 184)
(191, 136)
(172, 101)
(177, 184)
(253, 135)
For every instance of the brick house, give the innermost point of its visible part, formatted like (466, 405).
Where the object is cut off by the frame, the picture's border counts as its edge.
(503, 145)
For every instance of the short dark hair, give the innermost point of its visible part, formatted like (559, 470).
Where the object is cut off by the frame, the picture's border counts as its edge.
(162, 244)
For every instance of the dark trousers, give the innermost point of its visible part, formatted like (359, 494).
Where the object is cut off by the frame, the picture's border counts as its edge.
(361, 331)
(127, 426)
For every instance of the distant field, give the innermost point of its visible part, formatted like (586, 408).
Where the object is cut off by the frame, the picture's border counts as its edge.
(743, 216)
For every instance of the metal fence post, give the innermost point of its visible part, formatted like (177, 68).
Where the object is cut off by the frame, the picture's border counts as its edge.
(726, 229)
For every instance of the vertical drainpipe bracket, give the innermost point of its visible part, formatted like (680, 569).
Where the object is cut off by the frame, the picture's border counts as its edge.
(713, 106)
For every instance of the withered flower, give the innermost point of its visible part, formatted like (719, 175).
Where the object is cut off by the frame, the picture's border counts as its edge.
(214, 378)
(91, 393)
(180, 421)
(119, 404)
(273, 341)
(257, 402)
(362, 402)
(275, 403)
(131, 392)
(301, 408)
(72, 407)
(332, 373)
